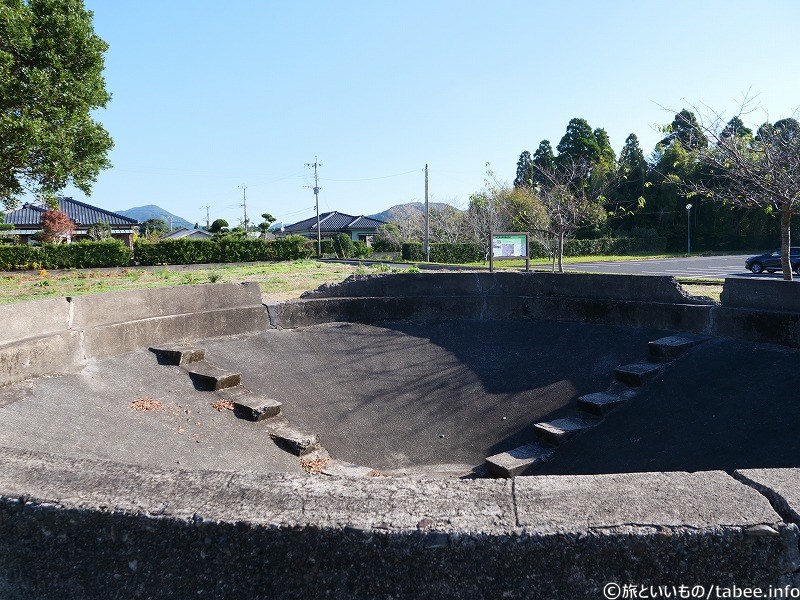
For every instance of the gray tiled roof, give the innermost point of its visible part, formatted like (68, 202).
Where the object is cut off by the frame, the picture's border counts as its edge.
(334, 221)
(79, 212)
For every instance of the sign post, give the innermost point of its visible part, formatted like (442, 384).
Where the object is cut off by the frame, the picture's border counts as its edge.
(506, 245)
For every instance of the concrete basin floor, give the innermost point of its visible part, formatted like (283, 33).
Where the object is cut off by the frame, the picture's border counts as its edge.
(409, 396)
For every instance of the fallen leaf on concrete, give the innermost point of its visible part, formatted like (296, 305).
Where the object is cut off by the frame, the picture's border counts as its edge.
(145, 404)
(221, 405)
(314, 466)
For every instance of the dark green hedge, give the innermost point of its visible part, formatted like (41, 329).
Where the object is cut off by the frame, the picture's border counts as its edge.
(444, 253)
(466, 253)
(184, 251)
(80, 255)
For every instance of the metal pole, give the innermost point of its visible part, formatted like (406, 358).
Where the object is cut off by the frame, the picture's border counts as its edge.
(427, 246)
(316, 198)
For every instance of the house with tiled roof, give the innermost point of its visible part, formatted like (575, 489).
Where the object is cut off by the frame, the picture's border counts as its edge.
(333, 223)
(27, 221)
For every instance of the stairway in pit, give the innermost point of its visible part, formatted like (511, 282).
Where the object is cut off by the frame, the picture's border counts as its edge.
(592, 408)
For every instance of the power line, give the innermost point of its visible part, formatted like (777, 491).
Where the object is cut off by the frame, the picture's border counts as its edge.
(374, 178)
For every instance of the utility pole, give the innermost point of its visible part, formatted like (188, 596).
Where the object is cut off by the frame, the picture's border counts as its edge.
(427, 246)
(208, 216)
(316, 188)
(244, 206)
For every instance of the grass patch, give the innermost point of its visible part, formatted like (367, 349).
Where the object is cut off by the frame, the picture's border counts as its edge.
(279, 281)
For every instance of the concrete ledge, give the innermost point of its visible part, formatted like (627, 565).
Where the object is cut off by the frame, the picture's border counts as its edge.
(133, 305)
(757, 325)
(56, 336)
(110, 340)
(302, 313)
(40, 356)
(762, 294)
(98, 529)
(37, 318)
(570, 285)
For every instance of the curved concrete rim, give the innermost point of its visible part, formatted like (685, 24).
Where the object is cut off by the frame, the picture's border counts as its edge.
(154, 532)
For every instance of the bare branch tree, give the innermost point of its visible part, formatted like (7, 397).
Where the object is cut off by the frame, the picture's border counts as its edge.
(570, 199)
(760, 171)
(446, 224)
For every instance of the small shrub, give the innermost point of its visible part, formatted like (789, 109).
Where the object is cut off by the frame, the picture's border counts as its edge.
(343, 245)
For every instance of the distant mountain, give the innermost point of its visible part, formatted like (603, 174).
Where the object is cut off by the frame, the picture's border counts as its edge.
(151, 211)
(400, 212)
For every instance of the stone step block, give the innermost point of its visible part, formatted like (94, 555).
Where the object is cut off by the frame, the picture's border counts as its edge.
(673, 346)
(519, 460)
(177, 355)
(560, 430)
(250, 406)
(207, 376)
(638, 374)
(601, 403)
(297, 442)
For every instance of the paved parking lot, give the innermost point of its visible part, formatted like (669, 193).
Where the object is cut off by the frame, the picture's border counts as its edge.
(693, 266)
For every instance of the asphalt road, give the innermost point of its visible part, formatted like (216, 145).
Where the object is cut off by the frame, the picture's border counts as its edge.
(693, 266)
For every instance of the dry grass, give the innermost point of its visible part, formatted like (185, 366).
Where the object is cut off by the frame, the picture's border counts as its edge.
(278, 281)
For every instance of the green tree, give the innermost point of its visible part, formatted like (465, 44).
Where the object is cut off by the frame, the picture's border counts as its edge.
(343, 245)
(99, 231)
(153, 227)
(685, 129)
(264, 226)
(628, 190)
(51, 64)
(524, 176)
(578, 146)
(218, 226)
(543, 161)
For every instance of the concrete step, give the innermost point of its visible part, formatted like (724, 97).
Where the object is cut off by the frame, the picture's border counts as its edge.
(638, 374)
(207, 376)
(560, 430)
(519, 460)
(177, 355)
(673, 346)
(250, 406)
(297, 442)
(601, 403)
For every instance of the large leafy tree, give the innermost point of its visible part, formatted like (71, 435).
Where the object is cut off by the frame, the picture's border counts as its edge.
(524, 178)
(51, 64)
(687, 130)
(578, 146)
(57, 227)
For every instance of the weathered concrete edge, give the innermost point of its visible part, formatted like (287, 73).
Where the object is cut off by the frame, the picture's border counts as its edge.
(597, 286)
(64, 340)
(673, 317)
(379, 535)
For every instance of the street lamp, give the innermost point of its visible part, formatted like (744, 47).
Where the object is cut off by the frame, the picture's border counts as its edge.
(688, 229)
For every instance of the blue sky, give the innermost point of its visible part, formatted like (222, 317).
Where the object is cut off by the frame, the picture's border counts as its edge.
(210, 96)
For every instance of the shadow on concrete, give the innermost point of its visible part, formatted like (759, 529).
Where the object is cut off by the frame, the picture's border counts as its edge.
(726, 405)
(447, 392)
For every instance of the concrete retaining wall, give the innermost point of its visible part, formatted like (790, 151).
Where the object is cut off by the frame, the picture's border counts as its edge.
(58, 336)
(584, 285)
(96, 529)
(761, 294)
